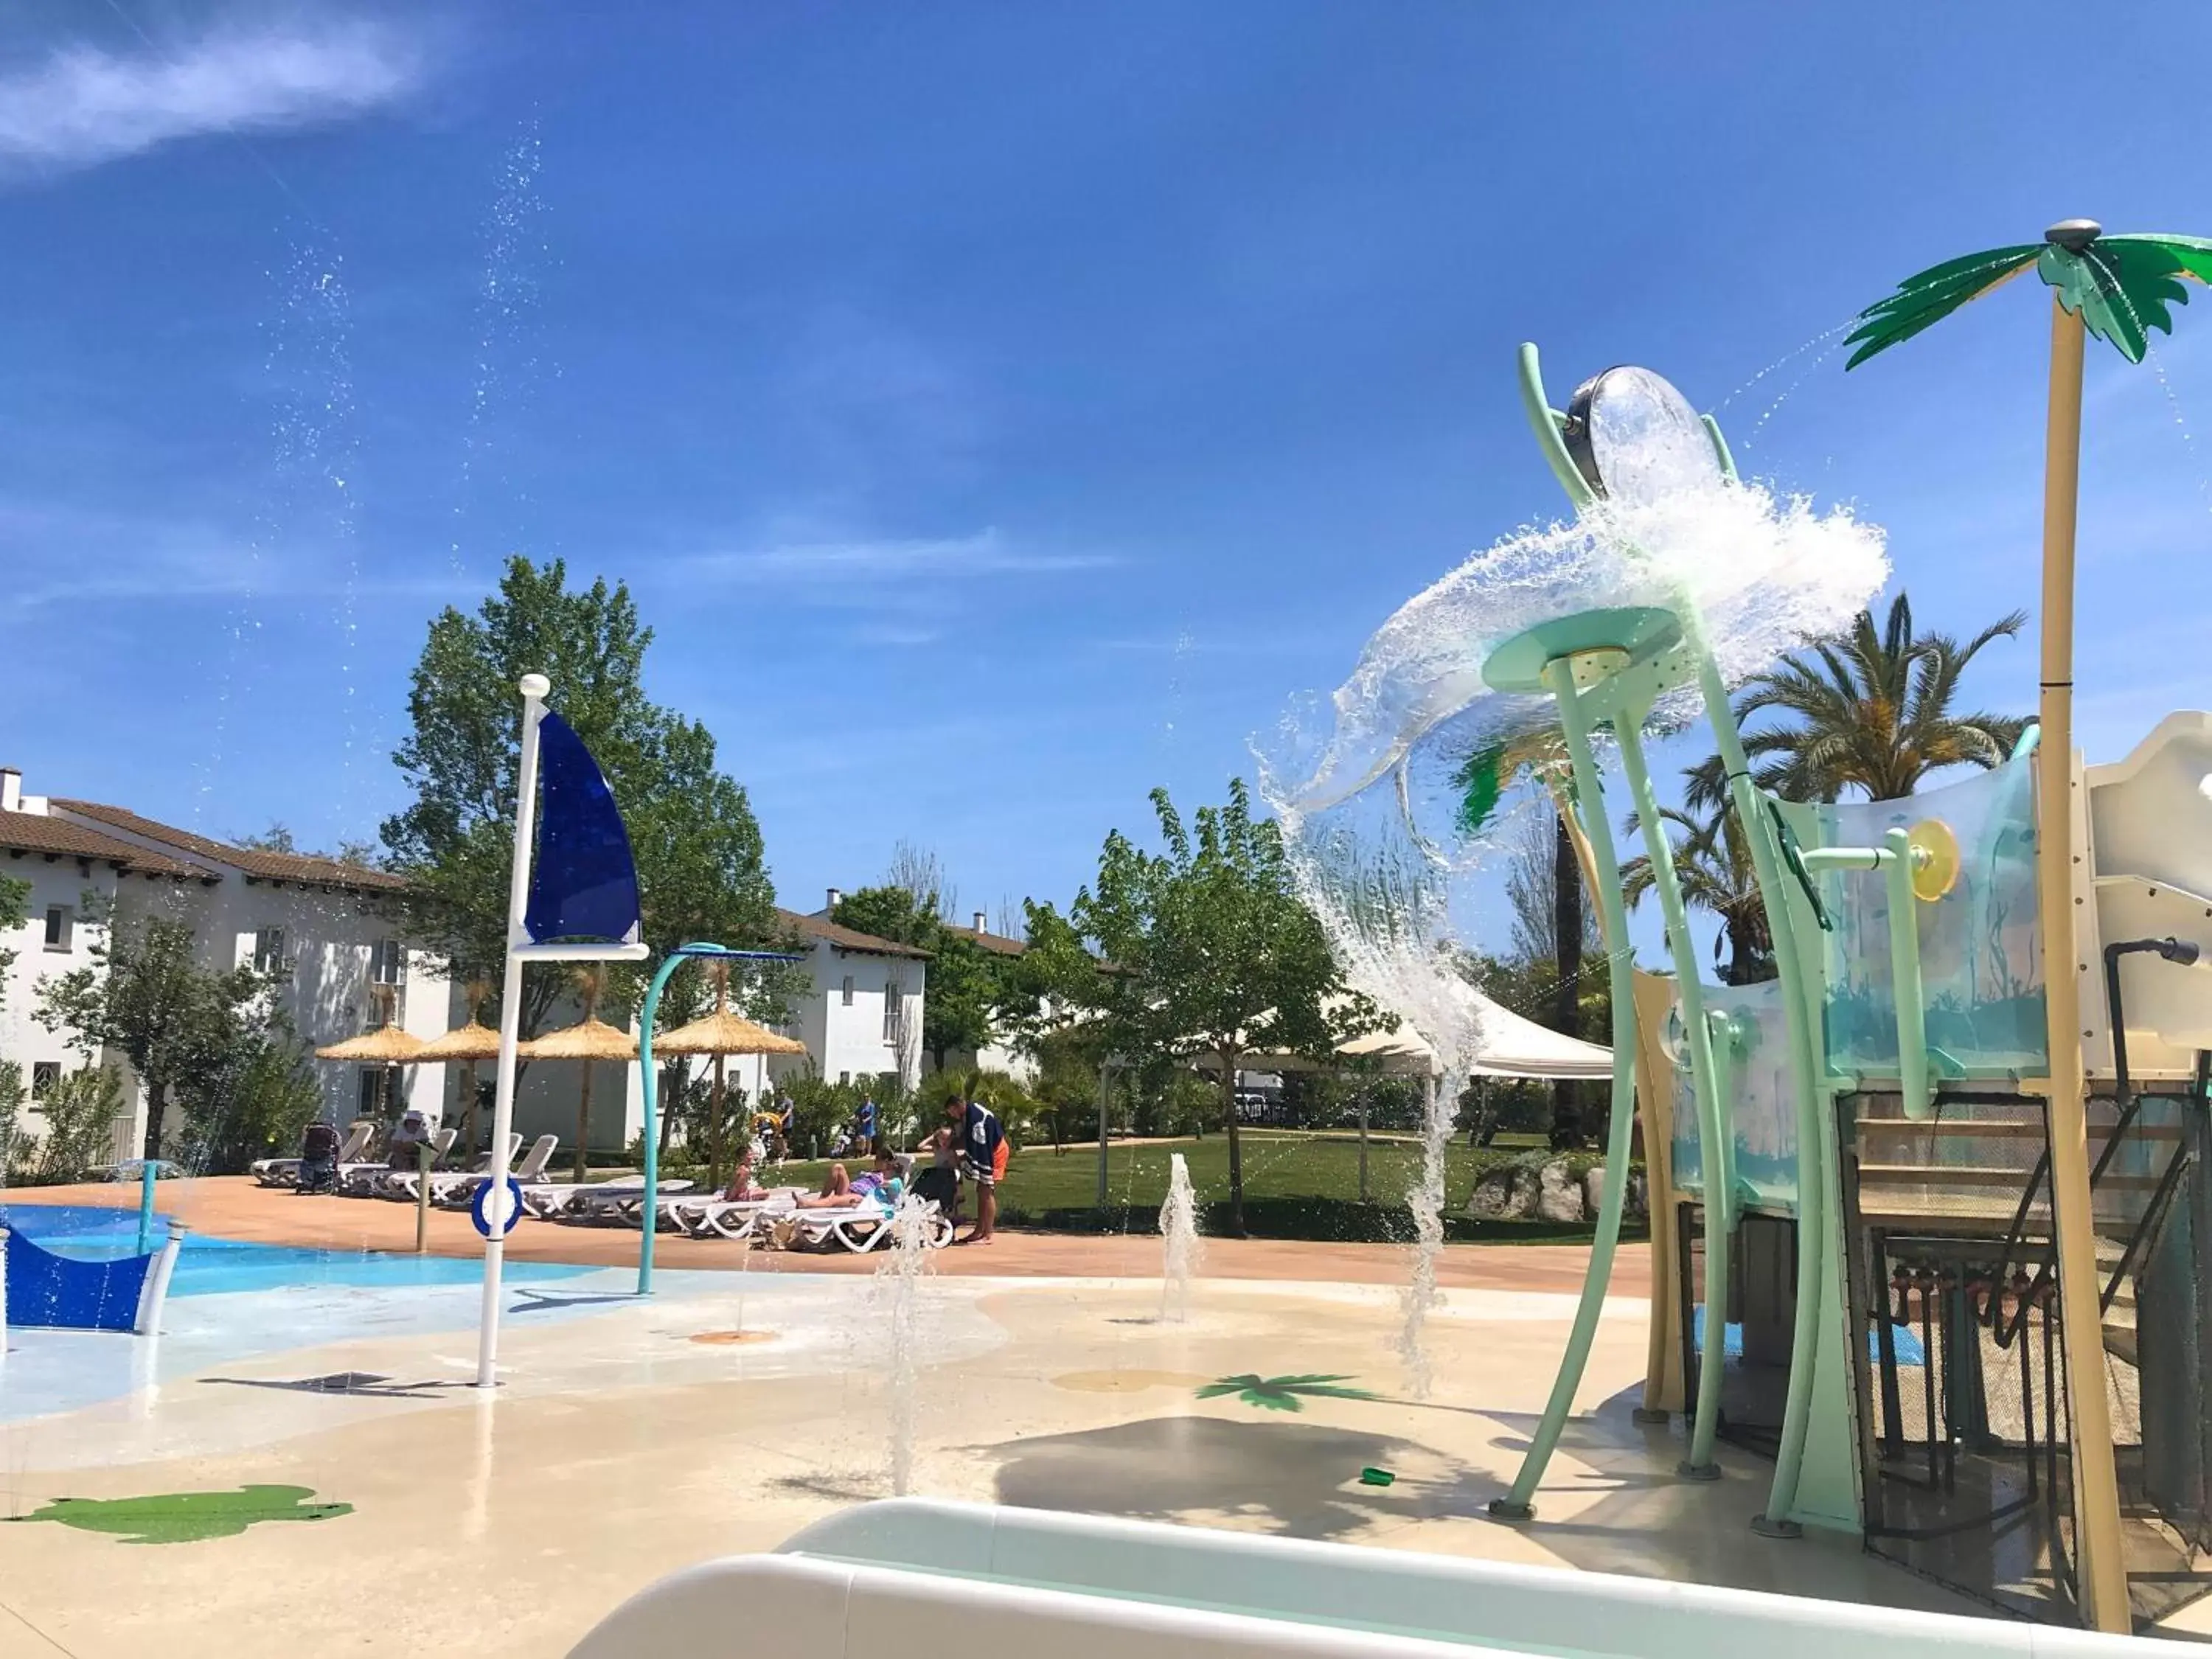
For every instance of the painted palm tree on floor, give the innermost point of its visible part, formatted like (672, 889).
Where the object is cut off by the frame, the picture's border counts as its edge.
(2118, 288)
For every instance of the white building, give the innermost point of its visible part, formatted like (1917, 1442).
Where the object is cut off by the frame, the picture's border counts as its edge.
(861, 1015)
(333, 934)
(331, 931)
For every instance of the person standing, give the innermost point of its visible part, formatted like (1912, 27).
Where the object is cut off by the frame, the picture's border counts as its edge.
(867, 1124)
(983, 1147)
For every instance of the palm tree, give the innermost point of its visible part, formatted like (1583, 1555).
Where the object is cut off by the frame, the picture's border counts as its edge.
(1874, 709)
(1714, 863)
(2118, 288)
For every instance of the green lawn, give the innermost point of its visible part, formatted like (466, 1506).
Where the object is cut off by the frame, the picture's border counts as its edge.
(1297, 1185)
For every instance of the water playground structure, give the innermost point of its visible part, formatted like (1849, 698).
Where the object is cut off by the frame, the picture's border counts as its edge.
(1931, 1208)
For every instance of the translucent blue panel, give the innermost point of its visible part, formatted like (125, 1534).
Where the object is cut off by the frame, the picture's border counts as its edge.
(1755, 1082)
(46, 1289)
(1981, 961)
(583, 885)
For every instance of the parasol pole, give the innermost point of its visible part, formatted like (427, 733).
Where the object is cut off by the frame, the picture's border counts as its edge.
(534, 687)
(2103, 1566)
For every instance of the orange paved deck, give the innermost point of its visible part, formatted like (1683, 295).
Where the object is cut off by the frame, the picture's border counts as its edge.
(233, 1206)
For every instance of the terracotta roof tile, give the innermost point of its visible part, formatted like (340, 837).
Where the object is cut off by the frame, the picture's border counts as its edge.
(253, 861)
(997, 944)
(849, 939)
(32, 832)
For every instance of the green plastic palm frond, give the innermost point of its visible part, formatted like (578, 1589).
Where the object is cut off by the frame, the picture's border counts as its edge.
(2125, 286)
(1924, 299)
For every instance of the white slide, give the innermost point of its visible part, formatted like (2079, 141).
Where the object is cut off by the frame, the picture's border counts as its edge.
(922, 1579)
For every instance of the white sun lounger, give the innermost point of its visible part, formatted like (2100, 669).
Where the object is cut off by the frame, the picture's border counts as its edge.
(456, 1190)
(605, 1200)
(407, 1184)
(368, 1180)
(285, 1172)
(702, 1215)
(859, 1227)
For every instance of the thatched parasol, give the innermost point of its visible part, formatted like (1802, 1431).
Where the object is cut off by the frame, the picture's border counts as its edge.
(589, 1039)
(468, 1044)
(725, 1033)
(469, 1041)
(586, 1039)
(719, 1034)
(386, 1046)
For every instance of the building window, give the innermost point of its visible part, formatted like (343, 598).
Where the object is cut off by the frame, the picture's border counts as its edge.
(848, 990)
(894, 1012)
(60, 931)
(844, 1079)
(44, 1073)
(372, 1092)
(269, 949)
(387, 983)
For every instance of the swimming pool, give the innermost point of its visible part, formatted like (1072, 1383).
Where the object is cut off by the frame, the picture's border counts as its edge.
(216, 1267)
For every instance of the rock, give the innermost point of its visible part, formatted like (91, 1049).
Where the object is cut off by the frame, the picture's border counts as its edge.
(1508, 1192)
(1560, 1196)
(1634, 1208)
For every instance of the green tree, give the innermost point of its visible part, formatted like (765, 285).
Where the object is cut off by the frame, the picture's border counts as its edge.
(77, 1108)
(1873, 709)
(1714, 865)
(1212, 954)
(702, 868)
(143, 994)
(256, 1104)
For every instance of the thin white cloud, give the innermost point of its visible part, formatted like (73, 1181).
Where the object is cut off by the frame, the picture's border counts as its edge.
(81, 105)
(856, 569)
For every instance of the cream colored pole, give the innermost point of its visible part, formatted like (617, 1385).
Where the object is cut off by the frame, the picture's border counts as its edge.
(2102, 1564)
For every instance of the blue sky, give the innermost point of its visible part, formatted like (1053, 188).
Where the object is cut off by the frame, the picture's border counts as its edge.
(998, 409)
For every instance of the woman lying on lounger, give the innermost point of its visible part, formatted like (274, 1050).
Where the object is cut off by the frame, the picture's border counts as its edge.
(841, 1192)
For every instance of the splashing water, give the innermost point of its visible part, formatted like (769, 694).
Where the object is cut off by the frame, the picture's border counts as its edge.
(1180, 1249)
(1749, 574)
(899, 1290)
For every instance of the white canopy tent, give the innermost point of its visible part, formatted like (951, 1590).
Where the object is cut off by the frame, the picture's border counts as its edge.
(1507, 1045)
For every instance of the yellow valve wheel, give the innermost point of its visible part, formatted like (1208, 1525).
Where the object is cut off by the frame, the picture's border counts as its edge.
(1934, 860)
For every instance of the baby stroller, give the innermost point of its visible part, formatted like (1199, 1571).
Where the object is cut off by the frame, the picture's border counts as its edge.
(319, 1159)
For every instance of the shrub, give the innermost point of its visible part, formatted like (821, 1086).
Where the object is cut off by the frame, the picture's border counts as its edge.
(79, 1110)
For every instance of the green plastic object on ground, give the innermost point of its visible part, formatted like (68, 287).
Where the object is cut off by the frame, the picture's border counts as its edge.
(1372, 1476)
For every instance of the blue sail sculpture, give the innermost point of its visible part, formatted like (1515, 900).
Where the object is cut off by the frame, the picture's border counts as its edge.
(583, 882)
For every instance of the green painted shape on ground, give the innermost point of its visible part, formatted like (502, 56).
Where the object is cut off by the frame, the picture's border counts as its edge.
(1283, 1394)
(187, 1517)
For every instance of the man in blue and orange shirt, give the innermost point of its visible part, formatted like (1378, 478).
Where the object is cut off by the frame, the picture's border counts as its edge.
(983, 1149)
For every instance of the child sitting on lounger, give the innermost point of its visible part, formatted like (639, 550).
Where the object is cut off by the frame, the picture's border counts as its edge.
(741, 1189)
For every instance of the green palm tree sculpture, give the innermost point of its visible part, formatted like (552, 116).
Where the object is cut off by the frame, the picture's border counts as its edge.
(2118, 287)
(2121, 286)
(1283, 1393)
(1875, 707)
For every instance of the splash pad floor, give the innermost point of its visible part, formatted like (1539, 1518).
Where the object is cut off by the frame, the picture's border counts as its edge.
(730, 1409)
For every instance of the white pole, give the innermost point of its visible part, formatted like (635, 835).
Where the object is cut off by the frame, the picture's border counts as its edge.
(534, 687)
